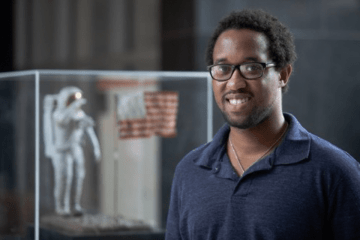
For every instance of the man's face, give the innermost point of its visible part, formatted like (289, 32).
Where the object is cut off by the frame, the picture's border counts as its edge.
(246, 103)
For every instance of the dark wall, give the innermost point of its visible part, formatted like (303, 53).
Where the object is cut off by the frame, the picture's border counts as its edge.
(6, 46)
(177, 19)
(9, 200)
(6, 97)
(323, 91)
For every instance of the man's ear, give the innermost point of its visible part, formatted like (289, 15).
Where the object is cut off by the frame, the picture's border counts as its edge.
(285, 73)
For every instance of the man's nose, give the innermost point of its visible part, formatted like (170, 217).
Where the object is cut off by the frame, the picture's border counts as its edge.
(237, 80)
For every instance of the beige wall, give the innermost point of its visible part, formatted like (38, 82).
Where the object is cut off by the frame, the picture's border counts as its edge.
(130, 169)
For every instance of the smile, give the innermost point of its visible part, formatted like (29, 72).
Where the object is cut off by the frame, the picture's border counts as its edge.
(238, 101)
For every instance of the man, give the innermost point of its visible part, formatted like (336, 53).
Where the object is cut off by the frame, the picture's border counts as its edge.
(263, 176)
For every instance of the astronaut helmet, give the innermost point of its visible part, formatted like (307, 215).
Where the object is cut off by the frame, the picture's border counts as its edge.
(68, 95)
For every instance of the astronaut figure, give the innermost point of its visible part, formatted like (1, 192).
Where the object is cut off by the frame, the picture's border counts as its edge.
(64, 131)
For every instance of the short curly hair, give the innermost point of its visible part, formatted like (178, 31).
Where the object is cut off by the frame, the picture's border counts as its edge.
(281, 41)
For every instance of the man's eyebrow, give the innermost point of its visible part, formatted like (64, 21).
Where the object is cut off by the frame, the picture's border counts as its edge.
(220, 60)
(252, 59)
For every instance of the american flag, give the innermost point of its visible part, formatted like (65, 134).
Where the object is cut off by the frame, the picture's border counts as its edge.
(144, 114)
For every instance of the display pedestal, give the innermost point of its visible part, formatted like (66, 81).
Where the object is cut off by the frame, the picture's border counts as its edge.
(93, 226)
(51, 234)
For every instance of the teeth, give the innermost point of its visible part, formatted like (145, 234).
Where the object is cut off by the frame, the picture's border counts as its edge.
(238, 101)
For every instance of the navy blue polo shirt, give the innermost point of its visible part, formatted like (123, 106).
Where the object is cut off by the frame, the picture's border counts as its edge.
(305, 189)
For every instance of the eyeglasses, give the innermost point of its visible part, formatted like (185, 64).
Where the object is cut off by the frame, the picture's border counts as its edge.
(249, 70)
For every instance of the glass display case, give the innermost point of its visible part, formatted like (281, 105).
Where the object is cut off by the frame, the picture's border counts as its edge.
(91, 154)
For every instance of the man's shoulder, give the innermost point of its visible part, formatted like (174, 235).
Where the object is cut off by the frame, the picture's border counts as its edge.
(318, 147)
(325, 147)
(194, 155)
(330, 154)
(192, 165)
(206, 154)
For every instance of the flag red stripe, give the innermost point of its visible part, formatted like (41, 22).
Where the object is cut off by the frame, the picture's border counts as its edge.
(151, 129)
(162, 93)
(172, 135)
(147, 133)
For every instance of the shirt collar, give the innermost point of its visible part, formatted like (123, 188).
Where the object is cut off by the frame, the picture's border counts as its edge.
(214, 149)
(294, 148)
(296, 145)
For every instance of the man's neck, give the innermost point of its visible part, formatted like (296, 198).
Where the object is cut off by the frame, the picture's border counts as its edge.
(253, 142)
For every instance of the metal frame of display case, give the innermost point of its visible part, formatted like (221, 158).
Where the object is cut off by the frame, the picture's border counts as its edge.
(38, 73)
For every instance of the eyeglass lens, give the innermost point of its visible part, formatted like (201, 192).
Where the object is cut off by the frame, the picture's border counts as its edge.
(248, 70)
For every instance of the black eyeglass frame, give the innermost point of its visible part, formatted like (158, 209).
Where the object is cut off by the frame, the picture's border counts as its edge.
(233, 67)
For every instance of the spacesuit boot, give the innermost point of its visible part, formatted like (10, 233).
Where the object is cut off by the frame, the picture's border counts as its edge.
(78, 211)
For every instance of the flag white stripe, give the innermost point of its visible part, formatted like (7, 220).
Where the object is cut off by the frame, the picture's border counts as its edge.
(146, 132)
(147, 125)
(162, 97)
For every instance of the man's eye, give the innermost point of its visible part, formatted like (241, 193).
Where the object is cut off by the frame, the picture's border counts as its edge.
(224, 69)
(253, 67)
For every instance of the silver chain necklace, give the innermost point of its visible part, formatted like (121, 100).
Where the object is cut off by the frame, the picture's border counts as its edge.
(267, 151)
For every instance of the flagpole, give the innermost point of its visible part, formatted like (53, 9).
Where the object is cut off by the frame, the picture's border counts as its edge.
(116, 165)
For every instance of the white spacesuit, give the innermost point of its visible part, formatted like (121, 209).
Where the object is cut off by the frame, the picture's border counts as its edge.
(64, 131)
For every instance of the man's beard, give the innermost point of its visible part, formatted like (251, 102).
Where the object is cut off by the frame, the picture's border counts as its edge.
(256, 117)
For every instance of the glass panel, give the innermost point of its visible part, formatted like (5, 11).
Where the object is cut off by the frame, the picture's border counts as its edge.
(17, 155)
(109, 143)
